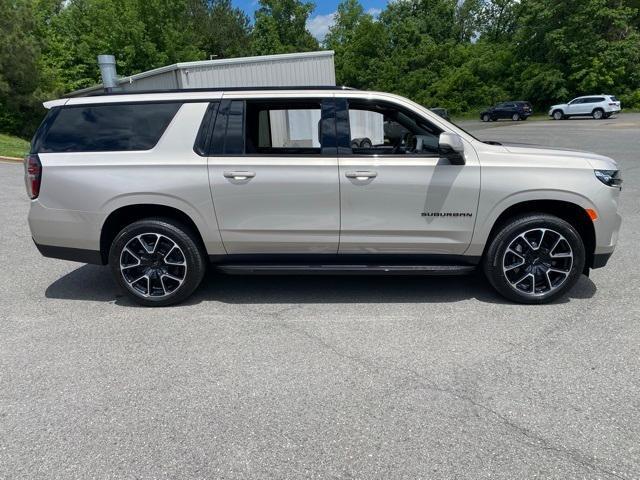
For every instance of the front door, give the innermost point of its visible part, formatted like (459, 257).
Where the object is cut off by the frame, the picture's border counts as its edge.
(273, 180)
(577, 106)
(397, 195)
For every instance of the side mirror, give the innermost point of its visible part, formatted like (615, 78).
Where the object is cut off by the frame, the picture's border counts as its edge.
(451, 147)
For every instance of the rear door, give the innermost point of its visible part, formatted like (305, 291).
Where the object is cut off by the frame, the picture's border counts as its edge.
(273, 172)
(398, 196)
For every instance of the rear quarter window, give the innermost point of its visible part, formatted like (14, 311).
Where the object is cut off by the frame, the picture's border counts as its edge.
(107, 128)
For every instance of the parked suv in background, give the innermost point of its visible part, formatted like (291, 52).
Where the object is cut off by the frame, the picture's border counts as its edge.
(596, 106)
(515, 111)
(308, 180)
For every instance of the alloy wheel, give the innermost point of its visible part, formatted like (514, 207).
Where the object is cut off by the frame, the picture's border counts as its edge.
(537, 262)
(153, 265)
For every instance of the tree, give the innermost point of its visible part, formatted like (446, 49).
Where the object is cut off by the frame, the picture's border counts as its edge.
(223, 30)
(280, 27)
(19, 68)
(577, 47)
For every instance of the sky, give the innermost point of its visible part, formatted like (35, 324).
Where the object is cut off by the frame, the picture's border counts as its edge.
(322, 17)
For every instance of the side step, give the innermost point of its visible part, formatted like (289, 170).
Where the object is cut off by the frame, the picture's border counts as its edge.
(347, 269)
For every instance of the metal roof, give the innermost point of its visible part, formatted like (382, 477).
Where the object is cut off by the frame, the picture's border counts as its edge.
(207, 63)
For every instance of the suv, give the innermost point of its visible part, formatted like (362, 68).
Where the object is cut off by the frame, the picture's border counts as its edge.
(308, 180)
(596, 106)
(515, 111)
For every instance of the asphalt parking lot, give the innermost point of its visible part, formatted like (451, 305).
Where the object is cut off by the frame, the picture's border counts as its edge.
(324, 377)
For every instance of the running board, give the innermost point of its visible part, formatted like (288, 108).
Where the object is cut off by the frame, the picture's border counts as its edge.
(347, 269)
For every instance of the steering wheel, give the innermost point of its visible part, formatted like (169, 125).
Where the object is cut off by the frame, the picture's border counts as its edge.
(411, 142)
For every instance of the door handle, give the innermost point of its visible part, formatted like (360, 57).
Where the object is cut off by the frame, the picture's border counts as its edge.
(238, 175)
(362, 175)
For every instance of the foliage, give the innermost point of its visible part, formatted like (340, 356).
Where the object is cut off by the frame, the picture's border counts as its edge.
(457, 54)
(280, 27)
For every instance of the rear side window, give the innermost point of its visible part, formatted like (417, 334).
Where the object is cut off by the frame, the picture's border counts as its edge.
(107, 128)
(290, 128)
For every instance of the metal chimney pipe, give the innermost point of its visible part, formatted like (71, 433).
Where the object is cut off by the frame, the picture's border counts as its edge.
(107, 65)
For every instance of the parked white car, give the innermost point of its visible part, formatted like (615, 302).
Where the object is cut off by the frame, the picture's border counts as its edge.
(596, 106)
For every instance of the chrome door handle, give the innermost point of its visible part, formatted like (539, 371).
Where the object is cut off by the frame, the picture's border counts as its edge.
(362, 175)
(238, 175)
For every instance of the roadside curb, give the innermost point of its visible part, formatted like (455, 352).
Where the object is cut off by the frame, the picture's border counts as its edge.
(11, 159)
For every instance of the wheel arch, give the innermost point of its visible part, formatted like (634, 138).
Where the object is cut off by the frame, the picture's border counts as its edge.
(125, 215)
(572, 213)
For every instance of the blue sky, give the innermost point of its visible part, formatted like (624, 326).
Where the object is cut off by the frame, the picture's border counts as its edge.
(322, 16)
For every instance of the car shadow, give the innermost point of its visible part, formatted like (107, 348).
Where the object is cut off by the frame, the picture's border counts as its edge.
(94, 283)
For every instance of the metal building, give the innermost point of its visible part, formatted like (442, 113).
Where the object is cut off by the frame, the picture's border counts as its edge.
(292, 69)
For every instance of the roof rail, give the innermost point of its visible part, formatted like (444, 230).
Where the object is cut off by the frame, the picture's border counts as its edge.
(221, 89)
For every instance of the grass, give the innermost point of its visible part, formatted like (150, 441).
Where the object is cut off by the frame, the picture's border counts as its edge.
(11, 146)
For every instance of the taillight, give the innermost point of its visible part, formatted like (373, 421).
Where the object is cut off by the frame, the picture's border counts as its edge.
(32, 175)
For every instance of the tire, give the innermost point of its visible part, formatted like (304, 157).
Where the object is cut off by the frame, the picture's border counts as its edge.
(558, 115)
(525, 274)
(598, 114)
(486, 118)
(164, 256)
(515, 117)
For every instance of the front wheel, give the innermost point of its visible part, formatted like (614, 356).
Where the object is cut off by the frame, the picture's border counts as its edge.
(534, 258)
(515, 117)
(558, 115)
(157, 261)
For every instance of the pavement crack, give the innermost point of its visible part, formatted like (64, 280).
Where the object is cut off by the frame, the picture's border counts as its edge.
(412, 376)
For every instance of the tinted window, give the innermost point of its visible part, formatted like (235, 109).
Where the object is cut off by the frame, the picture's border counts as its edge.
(614, 99)
(228, 133)
(206, 130)
(105, 128)
(384, 129)
(283, 128)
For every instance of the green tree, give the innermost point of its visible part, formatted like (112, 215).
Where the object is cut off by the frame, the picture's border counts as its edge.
(577, 47)
(280, 27)
(223, 30)
(19, 67)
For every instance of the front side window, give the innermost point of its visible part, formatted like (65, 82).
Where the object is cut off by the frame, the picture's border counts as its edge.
(386, 129)
(107, 128)
(291, 128)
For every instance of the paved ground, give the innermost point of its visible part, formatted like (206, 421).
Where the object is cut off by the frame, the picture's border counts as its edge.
(323, 377)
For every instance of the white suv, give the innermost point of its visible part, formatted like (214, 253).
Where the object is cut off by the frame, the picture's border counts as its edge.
(309, 180)
(596, 106)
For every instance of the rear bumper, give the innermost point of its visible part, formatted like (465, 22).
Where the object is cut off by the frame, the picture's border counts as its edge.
(71, 254)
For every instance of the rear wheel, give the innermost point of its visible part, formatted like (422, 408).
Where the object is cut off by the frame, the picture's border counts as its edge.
(535, 258)
(515, 117)
(558, 115)
(598, 114)
(486, 118)
(157, 261)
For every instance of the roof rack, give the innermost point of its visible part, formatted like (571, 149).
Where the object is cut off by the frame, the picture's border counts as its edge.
(221, 89)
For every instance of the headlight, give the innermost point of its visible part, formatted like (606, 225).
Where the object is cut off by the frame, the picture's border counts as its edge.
(610, 178)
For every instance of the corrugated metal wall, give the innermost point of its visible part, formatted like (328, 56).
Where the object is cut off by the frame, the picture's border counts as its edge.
(295, 71)
(161, 81)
